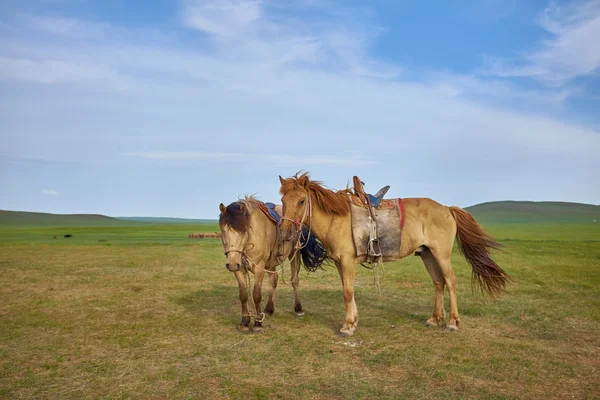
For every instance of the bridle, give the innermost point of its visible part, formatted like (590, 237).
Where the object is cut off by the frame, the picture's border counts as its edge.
(298, 224)
(242, 252)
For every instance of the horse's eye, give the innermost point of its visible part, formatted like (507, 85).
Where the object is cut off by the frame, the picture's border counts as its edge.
(301, 202)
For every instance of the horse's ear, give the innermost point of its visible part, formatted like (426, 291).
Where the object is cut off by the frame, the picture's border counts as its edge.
(222, 208)
(281, 179)
(304, 181)
(244, 208)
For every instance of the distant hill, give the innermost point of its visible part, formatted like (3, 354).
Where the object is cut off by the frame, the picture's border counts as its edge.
(535, 212)
(493, 212)
(23, 218)
(159, 220)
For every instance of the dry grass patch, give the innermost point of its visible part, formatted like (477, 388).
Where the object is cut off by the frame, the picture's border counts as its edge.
(143, 321)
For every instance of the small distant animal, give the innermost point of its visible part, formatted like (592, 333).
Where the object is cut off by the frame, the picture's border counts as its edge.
(55, 237)
(68, 235)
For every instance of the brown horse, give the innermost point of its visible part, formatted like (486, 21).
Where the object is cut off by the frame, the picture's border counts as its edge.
(429, 231)
(253, 243)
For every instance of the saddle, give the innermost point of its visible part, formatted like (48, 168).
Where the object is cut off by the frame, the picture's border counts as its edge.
(372, 203)
(270, 211)
(274, 216)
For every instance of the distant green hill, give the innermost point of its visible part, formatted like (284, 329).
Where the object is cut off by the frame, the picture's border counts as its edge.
(535, 212)
(23, 218)
(493, 212)
(159, 220)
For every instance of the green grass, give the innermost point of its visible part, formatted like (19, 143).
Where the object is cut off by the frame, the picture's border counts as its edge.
(144, 312)
(177, 221)
(143, 234)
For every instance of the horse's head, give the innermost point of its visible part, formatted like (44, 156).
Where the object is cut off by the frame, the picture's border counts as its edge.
(234, 222)
(295, 204)
(301, 197)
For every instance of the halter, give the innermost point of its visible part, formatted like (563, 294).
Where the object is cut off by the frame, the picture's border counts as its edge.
(235, 251)
(307, 213)
(298, 224)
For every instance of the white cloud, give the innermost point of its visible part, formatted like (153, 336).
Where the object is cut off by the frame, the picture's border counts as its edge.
(57, 71)
(49, 192)
(572, 52)
(251, 30)
(222, 17)
(62, 26)
(269, 91)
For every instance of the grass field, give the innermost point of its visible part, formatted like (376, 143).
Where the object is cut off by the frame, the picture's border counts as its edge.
(144, 312)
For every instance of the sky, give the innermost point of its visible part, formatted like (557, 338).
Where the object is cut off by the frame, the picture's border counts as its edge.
(175, 107)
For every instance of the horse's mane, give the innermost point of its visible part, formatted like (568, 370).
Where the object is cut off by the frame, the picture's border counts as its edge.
(332, 202)
(234, 215)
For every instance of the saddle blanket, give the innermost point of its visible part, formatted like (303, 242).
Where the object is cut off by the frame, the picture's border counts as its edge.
(390, 219)
(270, 211)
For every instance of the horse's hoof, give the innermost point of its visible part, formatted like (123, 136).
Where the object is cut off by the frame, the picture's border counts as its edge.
(244, 328)
(257, 329)
(300, 314)
(270, 310)
(345, 332)
(452, 328)
(431, 323)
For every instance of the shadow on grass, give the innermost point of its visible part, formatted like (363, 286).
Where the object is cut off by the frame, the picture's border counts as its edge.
(323, 307)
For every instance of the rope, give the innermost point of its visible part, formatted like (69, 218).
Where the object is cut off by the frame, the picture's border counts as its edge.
(375, 271)
(258, 317)
(298, 225)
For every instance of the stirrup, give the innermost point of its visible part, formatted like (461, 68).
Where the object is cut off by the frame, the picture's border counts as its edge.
(374, 248)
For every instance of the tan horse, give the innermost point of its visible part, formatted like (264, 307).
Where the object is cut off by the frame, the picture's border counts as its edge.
(429, 231)
(253, 243)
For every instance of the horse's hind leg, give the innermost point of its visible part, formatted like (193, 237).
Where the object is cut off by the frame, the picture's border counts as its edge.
(295, 263)
(270, 307)
(437, 319)
(442, 256)
(241, 278)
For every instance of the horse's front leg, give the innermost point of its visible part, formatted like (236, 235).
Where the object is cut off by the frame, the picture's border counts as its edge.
(347, 270)
(259, 274)
(241, 278)
(295, 264)
(270, 307)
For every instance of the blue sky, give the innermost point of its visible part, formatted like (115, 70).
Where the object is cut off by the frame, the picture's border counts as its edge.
(170, 109)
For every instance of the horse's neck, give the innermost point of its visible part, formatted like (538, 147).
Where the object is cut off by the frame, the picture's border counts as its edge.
(328, 227)
(262, 234)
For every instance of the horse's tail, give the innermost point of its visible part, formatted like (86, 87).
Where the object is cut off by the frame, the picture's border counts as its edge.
(475, 245)
(313, 253)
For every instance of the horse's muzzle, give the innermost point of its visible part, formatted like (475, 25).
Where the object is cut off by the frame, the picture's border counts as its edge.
(233, 267)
